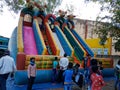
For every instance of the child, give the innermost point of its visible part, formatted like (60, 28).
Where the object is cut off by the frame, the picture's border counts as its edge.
(100, 68)
(68, 77)
(100, 65)
(31, 73)
(117, 71)
(97, 80)
(79, 79)
(75, 70)
(55, 65)
(77, 76)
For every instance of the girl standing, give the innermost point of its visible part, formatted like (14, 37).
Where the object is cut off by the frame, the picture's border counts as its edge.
(97, 80)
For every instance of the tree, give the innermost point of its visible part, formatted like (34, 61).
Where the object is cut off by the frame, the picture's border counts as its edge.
(109, 25)
(13, 5)
(52, 5)
(17, 5)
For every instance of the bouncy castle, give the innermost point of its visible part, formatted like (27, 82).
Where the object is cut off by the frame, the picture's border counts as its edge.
(44, 36)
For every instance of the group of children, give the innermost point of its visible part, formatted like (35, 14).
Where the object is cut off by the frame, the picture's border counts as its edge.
(69, 73)
(72, 73)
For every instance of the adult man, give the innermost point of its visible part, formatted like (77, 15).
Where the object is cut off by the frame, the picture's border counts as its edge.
(7, 66)
(63, 63)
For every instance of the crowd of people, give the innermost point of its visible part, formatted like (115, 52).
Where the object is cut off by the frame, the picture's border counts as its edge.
(68, 73)
(64, 72)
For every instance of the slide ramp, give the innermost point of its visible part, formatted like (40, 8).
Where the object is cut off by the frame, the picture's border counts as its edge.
(64, 42)
(29, 41)
(39, 38)
(59, 45)
(79, 52)
(51, 40)
(83, 44)
(58, 36)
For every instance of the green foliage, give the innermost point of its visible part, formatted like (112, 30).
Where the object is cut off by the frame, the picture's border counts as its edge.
(52, 5)
(14, 5)
(112, 26)
(117, 45)
(17, 5)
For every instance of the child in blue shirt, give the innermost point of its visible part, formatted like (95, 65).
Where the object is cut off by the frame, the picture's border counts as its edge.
(55, 65)
(68, 74)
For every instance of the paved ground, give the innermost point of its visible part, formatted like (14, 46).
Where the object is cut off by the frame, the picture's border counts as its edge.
(50, 86)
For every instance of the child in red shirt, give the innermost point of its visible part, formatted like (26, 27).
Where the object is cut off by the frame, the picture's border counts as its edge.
(97, 80)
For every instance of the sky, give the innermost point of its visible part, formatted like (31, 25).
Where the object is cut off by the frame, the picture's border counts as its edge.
(9, 20)
(83, 10)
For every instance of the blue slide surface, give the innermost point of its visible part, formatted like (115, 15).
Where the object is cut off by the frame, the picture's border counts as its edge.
(82, 42)
(63, 41)
(79, 53)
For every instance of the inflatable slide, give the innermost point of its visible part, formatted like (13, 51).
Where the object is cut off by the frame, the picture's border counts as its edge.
(41, 36)
(70, 25)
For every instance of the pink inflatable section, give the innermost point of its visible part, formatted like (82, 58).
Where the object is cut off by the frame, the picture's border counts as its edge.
(29, 41)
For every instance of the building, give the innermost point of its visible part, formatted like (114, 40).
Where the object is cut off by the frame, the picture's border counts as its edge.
(85, 28)
(3, 44)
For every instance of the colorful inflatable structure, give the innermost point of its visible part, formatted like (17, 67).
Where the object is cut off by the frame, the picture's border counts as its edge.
(44, 37)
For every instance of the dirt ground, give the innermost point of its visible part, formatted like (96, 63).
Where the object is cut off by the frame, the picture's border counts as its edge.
(11, 86)
(109, 86)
